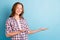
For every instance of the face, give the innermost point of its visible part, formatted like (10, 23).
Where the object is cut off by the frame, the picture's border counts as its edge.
(18, 9)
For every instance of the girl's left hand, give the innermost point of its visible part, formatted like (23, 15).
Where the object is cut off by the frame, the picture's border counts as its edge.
(42, 29)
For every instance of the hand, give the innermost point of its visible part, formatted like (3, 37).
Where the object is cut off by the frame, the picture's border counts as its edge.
(42, 29)
(22, 30)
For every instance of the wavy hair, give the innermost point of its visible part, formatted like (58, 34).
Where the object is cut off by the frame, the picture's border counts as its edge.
(14, 8)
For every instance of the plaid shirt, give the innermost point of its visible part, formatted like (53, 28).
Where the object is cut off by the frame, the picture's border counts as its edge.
(12, 26)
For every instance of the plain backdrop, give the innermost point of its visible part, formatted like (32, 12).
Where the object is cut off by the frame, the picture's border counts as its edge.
(38, 13)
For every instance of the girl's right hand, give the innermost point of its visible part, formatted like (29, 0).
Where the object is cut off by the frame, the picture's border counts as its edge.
(22, 30)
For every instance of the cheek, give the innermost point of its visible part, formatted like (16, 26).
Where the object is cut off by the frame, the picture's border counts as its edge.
(18, 10)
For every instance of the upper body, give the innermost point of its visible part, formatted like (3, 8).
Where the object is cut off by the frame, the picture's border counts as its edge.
(16, 26)
(12, 26)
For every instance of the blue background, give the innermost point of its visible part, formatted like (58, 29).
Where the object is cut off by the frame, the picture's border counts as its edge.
(38, 13)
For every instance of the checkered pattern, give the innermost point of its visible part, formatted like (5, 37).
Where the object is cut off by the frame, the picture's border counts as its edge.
(12, 26)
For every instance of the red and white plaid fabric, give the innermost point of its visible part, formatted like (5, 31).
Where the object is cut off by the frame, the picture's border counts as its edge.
(12, 26)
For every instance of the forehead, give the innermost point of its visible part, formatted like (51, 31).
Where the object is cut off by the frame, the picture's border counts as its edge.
(19, 5)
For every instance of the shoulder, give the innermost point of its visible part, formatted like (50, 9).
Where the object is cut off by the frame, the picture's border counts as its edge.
(9, 19)
(25, 21)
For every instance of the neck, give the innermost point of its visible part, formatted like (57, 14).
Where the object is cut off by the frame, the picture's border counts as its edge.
(17, 17)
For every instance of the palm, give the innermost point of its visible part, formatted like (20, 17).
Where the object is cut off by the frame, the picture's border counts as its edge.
(42, 29)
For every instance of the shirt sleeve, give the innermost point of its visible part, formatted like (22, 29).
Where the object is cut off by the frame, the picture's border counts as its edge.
(27, 26)
(8, 26)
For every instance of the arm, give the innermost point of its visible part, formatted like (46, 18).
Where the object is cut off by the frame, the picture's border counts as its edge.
(9, 31)
(35, 31)
(13, 33)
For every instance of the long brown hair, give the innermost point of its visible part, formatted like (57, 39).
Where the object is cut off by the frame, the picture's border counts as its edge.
(14, 8)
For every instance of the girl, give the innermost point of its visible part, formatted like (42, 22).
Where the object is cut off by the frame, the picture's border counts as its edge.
(16, 26)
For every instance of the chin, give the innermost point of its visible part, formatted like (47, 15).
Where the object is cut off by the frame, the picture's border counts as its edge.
(19, 13)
